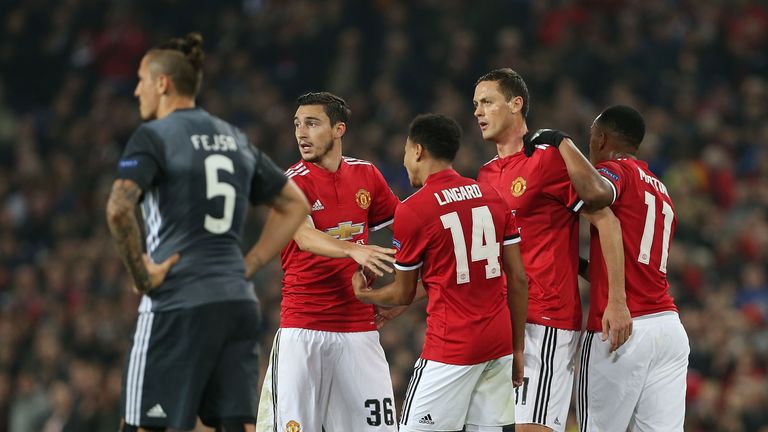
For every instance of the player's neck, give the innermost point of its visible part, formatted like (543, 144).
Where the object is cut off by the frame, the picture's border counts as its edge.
(169, 104)
(331, 160)
(619, 154)
(432, 167)
(510, 140)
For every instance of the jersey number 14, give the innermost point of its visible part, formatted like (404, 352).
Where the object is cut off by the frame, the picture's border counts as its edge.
(484, 244)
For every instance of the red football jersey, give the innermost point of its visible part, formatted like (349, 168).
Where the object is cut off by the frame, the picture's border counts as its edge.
(648, 222)
(317, 291)
(453, 228)
(540, 194)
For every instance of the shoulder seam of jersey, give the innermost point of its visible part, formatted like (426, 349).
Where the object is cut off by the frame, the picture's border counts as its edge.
(298, 169)
(355, 161)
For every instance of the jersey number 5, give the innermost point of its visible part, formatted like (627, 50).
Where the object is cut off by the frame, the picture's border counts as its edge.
(484, 244)
(650, 227)
(214, 188)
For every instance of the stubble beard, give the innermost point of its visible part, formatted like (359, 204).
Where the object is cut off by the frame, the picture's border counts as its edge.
(320, 154)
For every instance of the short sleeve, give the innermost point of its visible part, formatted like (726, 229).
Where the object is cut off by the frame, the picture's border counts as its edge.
(142, 160)
(611, 171)
(385, 202)
(409, 238)
(559, 184)
(268, 179)
(511, 232)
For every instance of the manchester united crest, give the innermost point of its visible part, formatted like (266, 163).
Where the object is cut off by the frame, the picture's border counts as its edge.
(292, 426)
(518, 187)
(363, 198)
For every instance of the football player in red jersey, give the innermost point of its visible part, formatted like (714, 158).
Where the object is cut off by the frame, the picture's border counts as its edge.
(456, 234)
(327, 338)
(546, 197)
(641, 386)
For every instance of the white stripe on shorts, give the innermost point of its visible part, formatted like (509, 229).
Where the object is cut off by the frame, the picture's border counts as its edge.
(275, 362)
(581, 397)
(545, 375)
(415, 378)
(136, 367)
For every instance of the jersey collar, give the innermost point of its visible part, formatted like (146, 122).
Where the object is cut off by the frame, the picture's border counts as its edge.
(441, 175)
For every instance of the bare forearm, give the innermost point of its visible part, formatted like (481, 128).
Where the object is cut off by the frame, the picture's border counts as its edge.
(276, 233)
(124, 227)
(289, 211)
(588, 183)
(613, 253)
(318, 243)
(125, 230)
(388, 295)
(517, 300)
(517, 293)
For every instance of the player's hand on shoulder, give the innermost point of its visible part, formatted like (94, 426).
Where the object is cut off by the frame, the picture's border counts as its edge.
(617, 324)
(551, 137)
(373, 258)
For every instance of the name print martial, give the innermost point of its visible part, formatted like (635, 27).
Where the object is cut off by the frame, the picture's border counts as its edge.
(460, 193)
(658, 185)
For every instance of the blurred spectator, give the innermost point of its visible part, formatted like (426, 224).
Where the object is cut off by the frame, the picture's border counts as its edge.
(698, 70)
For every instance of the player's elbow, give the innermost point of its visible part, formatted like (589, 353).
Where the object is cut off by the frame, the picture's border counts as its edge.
(116, 212)
(598, 195)
(519, 283)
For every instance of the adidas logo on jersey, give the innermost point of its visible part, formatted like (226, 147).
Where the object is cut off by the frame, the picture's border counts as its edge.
(427, 419)
(557, 421)
(317, 206)
(156, 412)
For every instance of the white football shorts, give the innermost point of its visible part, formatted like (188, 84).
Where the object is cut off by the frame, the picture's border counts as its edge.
(550, 359)
(640, 386)
(332, 381)
(445, 397)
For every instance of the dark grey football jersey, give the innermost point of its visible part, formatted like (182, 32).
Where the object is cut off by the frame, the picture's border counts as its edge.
(198, 174)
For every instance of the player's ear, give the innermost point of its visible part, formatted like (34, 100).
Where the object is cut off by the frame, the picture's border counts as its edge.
(602, 140)
(339, 129)
(163, 84)
(418, 151)
(515, 104)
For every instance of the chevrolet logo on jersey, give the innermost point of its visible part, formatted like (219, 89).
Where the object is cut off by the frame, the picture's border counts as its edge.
(346, 230)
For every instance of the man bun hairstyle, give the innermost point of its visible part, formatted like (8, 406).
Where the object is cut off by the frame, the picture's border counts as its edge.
(624, 121)
(182, 60)
(511, 85)
(334, 106)
(439, 134)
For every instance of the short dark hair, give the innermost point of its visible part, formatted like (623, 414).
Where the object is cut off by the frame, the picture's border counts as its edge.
(624, 121)
(439, 134)
(335, 107)
(182, 60)
(511, 85)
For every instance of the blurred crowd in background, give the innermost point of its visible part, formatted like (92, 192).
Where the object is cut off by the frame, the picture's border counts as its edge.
(697, 70)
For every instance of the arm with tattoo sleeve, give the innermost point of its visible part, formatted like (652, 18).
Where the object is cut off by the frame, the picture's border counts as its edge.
(121, 218)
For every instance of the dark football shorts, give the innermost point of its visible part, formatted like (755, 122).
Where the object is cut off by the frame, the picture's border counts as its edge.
(184, 363)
